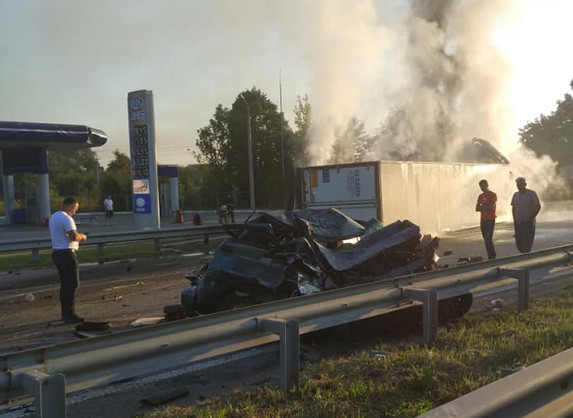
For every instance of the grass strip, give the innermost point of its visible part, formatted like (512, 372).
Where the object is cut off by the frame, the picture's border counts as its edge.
(413, 379)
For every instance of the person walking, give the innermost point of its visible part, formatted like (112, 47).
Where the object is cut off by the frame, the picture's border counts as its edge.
(230, 208)
(525, 207)
(65, 242)
(486, 203)
(108, 204)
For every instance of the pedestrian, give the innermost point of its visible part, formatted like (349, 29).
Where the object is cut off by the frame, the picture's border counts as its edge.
(65, 242)
(108, 204)
(525, 207)
(231, 208)
(223, 215)
(486, 203)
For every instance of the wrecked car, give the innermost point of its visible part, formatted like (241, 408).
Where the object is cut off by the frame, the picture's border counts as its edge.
(277, 255)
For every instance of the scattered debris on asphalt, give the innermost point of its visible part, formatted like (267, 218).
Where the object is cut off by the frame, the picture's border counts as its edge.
(140, 322)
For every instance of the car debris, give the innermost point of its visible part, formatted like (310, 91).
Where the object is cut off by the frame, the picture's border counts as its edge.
(278, 255)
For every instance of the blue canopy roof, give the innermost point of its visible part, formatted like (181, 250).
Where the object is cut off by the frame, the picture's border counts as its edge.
(49, 135)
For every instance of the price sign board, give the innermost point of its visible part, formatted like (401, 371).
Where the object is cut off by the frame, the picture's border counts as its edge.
(143, 161)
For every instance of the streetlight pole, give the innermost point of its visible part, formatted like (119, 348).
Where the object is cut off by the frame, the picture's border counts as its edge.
(250, 153)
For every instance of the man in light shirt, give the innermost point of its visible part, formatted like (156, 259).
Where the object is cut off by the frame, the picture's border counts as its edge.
(525, 207)
(108, 204)
(65, 242)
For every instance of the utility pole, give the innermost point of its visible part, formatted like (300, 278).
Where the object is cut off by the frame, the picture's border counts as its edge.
(250, 153)
(282, 127)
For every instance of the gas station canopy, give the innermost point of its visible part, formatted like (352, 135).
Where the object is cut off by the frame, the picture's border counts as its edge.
(47, 135)
(24, 147)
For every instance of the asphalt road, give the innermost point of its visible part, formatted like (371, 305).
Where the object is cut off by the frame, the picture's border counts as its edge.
(554, 228)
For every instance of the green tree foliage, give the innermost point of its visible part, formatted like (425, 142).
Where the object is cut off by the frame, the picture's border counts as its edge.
(302, 121)
(116, 182)
(552, 135)
(194, 181)
(223, 145)
(75, 173)
(351, 144)
(213, 143)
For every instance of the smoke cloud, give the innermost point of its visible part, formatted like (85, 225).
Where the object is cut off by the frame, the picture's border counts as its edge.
(439, 78)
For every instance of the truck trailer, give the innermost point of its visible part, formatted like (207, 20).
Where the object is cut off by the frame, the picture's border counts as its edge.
(434, 195)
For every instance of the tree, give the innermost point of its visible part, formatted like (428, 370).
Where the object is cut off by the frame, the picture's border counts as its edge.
(223, 145)
(193, 180)
(75, 173)
(116, 181)
(352, 144)
(552, 135)
(302, 121)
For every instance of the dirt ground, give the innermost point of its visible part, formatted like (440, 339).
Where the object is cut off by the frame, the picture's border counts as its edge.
(117, 293)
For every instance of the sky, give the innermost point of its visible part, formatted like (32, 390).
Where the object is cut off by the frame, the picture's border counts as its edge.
(502, 62)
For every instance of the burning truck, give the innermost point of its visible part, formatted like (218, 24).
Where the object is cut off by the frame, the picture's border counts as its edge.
(278, 255)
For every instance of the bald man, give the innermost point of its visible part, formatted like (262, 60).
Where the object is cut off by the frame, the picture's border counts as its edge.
(525, 207)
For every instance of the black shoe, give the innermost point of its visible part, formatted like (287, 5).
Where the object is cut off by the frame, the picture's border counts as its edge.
(72, 319)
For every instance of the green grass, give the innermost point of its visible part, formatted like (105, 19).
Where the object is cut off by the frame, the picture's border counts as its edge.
(87, 254)
(413, 379)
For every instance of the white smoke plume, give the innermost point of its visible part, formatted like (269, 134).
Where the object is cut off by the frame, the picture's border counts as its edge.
(436, 73)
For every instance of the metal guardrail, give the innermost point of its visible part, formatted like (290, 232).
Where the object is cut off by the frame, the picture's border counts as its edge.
(48, 373)
(545, 387)
(42, 243)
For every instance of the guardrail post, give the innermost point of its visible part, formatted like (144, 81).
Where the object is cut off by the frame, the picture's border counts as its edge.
(100, 248)
(157, 244)
(35, 253)
(287, 330)
(49, 392)
(522, 276)
(429, 299)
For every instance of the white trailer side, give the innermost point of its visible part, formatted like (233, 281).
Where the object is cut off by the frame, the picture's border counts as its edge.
(435, 196)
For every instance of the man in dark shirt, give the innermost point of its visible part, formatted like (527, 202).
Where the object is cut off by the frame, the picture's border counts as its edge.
(486, 205)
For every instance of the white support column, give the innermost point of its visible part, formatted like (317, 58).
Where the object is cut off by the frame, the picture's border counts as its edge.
(43, 196)
(174, 192)
(9, 196)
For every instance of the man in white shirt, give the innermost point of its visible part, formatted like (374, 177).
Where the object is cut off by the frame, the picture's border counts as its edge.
(108, 204)
(65, 242)
(525, 207)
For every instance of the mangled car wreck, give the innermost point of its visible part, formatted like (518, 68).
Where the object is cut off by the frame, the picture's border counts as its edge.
(278, 255)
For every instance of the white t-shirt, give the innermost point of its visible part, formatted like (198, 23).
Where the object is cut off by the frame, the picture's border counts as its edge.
(108, 203)
(60, 224)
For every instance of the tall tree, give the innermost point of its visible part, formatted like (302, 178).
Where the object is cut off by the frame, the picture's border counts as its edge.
(116, 181)
(553, 134)
(302, 121)
(351, 144)
(223, 145)
(75, 173)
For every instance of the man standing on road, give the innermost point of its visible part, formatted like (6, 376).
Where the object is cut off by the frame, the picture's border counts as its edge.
(65, 242)
(486, 205)
(108, 204)
(525, 207)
